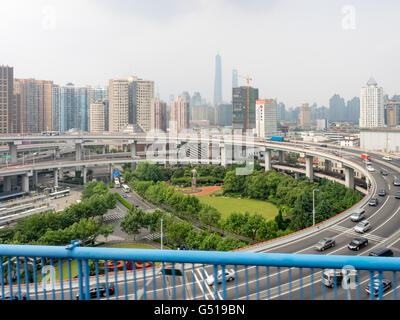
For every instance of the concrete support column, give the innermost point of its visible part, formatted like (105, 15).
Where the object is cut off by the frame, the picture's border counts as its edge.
(56, 173)
(309, 167)
(60, 173)
(13, 152)
(104, 149)
(7, 184)
(328, 165)
(133, 155)
(110, 170)
(78, 151)
(223, 154)
(35, 179)
(282, 157)
(84, 175)
(57, 153)
(267, 159)
(125, 148)
(349, 180)
(25, 182)
(296, 175)
(209, 152)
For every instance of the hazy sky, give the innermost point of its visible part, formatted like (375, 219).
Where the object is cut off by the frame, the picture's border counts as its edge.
(295, 50)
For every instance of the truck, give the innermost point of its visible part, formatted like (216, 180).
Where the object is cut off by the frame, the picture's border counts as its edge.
(280, 139)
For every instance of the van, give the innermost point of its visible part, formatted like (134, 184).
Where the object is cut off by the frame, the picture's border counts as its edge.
(329, 276)
(381, 252)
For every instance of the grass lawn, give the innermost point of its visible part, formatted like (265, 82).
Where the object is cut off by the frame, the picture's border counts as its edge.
(228, 205)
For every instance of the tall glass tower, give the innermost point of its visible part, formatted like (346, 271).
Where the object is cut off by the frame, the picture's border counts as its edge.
(218, 81)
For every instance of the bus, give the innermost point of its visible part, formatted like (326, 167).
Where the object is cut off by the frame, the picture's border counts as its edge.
(50, 133)
(126, 188)
(59, 194)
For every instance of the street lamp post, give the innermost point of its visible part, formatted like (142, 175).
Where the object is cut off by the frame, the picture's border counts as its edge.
(313, 204)
(162, 234)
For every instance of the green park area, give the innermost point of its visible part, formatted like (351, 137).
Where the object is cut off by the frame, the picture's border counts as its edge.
(227, 205)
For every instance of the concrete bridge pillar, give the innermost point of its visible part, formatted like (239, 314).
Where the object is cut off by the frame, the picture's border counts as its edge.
(223, 154)
(12, 147)
(25, 182)
(84, 175)
(328, 165)
(209, 152)
(282, 156)
(133, 154)
(349, 177)
(7, 184)
(309, 167)
(57, 153)
(296, 175)
(267, 157)
(78, 151)
(110, 170)
(35, 179)
(104, 149)
(56, 173)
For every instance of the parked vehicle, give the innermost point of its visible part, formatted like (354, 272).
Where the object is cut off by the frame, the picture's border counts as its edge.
(325, 243)
(385, 284)
(381, 252)
(362, 227)
(229, 276)
(358, 215)
(358, 243)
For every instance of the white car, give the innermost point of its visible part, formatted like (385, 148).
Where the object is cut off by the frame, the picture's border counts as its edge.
(358, 215)
(371, 169)
(229, 275)
(362, 227)
(387, 158)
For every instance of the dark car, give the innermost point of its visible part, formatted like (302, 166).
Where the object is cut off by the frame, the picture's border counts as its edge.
(385, 285)
(381, 252)
(324, 146)
(384, 172)
(325, 243)
(397, 196)
(382, 193)
(374, 202)
(102, 291)
(358, 243)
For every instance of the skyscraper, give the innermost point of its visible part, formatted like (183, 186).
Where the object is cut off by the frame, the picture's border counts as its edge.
(281, 111)
(392, 113)
(266, 118)
(158, 115)
(243, 107)
(34, 104)
(223, 115)
(337, 109)
(371, 105)
(179, 115)
(353, 110)
(8, 115)
(118, 104)
(218, 81)
(235, 82)
(305, 115)
(97, 117)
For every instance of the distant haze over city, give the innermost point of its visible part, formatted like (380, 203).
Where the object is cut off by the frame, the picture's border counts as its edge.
(295, 51)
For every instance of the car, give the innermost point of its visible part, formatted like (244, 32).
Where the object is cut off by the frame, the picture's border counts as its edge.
(325, 243)
(124, 196)
(102, 291)
(358, 215)
(324, 146)
(382, 193)
(368, 162)
(396, 182)
(370, 169)
(381, 252)
(385, 284)
(387, 158)
(384, 172)
(229, 276)
(362, 226)
(373, 202)
(358, 243)
(330, 277)
(397, 196)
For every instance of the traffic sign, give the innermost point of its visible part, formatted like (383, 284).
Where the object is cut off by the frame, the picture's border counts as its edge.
(5, 156)
(116, 173)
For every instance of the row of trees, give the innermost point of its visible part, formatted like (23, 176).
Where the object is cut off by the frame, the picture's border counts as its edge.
(177, 232)
(78, 221)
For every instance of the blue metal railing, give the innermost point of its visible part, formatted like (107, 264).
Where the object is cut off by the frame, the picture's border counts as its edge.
(107, 273)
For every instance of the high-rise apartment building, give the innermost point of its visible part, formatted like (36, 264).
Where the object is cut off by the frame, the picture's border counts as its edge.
(305, 115)
(223, 115)
(118, 104)
(34, 105)
(141, 93)
(218, 81)
(266, 118)
(392, 113)
(179, 115)
(98, 94)
(8, 114)
(371, 105)
(97, 117)
(244, 106)
(203, 113)
(158, 115)
(235, 82)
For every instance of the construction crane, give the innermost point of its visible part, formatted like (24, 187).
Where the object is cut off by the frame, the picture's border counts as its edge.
(248, 79)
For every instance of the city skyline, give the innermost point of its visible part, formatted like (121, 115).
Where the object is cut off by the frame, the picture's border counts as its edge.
(320, 55)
